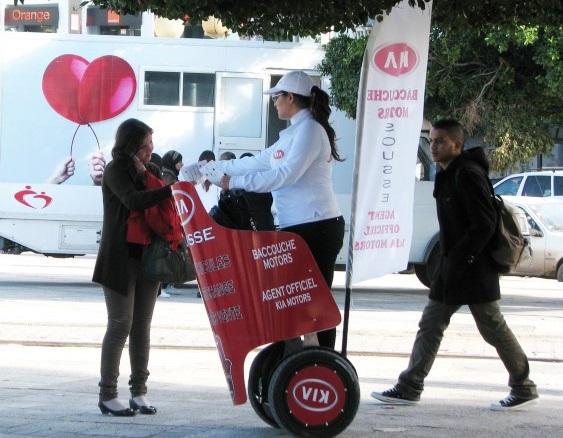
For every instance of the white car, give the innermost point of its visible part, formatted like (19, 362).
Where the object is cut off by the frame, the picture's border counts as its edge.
(544, 223)
(537, 184)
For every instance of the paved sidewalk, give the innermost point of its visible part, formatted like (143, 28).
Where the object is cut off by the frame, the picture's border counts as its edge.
(52, 320)
(54, 305)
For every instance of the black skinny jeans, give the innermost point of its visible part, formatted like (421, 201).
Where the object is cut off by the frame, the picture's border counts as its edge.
(128, 316)
(324, 239)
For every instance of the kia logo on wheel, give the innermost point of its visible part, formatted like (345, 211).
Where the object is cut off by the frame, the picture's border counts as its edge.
(315, 395)
(396, 59)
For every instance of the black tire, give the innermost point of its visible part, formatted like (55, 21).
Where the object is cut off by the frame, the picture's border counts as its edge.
(259, 376)
(317, 412)
(422, 274)
(425, 273)
(560, 272)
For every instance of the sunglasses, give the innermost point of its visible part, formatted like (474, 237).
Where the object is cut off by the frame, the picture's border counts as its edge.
(275, 96)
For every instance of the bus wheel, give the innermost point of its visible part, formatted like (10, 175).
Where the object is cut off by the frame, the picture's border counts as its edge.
(425, 272)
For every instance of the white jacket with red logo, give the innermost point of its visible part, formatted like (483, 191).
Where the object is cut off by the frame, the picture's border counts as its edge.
(297, 169)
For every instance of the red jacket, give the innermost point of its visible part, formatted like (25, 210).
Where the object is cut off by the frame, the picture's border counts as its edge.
(160, 219)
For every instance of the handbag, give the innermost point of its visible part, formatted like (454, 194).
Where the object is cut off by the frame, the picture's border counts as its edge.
(161, 263)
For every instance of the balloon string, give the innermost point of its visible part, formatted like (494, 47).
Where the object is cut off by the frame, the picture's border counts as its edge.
(97, 141)
(72, 142)
(74, 136)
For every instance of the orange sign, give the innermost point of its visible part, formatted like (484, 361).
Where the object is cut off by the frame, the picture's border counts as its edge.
(113, 17)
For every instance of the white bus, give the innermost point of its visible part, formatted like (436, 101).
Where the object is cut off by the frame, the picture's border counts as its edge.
(65, 95)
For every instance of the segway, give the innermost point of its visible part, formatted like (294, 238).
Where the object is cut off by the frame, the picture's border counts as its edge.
(264, 288)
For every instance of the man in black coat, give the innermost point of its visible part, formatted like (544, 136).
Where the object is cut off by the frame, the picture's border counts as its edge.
(466, 275)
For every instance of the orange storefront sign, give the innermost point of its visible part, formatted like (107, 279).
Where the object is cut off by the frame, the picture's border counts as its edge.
(113, 17)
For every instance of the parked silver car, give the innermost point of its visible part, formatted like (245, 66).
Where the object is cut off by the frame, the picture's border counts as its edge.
(544, 230)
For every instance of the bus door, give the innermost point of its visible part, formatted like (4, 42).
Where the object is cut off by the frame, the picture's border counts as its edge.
(240, 113)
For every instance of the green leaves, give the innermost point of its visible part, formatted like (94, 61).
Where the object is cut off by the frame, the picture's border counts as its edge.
(273, 18)
(343, 63)
(505, 84)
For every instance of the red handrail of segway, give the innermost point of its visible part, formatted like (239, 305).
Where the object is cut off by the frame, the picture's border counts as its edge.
(258, 287)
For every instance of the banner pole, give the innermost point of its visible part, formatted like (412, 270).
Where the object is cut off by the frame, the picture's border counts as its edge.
(350, 257)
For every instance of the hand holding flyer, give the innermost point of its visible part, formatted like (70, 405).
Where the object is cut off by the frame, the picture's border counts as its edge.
(213, 172)
(192, 173)
(201, 171)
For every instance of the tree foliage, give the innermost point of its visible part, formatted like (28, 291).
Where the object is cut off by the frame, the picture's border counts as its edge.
(273, 19)
(504, 83)
(284, 18)
(342, 63)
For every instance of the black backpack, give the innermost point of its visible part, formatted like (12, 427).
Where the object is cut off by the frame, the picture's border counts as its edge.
(508, 247)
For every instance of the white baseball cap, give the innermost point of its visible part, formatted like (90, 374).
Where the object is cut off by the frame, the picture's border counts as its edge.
(297, 82)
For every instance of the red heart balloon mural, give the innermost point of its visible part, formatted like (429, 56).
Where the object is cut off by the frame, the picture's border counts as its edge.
(86, 92)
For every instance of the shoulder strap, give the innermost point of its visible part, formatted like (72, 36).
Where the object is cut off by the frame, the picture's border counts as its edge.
(491, 187)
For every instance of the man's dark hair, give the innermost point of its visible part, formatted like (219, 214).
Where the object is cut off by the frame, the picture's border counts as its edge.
(207, 156)
(453, 127)
(227, 155)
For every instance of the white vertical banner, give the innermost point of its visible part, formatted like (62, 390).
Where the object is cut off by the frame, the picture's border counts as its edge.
(389, 120)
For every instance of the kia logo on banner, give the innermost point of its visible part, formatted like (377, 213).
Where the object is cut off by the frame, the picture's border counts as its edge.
(185, 206)
(396, 59)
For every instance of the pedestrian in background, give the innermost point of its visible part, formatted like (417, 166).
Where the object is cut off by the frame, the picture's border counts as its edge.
(156, 159)
(227, 155)
(208, 192)
(171, 165)
(466, 275)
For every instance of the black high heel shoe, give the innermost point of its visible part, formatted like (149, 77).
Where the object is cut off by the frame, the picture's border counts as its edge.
(147, 410)
(125, 412)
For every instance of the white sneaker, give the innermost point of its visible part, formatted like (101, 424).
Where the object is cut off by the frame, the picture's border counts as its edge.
(164, 294)
(172, 290)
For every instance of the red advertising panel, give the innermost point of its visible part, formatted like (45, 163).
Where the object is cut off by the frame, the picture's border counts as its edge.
(258, 286)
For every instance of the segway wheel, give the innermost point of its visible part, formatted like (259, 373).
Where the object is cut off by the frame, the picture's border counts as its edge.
(314, 392)
(259, 380)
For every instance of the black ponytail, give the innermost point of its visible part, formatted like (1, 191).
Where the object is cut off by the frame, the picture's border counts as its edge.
(319, 104)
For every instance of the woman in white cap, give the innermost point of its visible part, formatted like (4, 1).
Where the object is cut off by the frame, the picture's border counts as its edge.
(297, 169)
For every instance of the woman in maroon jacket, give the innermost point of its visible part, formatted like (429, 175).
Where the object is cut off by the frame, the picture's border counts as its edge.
(130, 297)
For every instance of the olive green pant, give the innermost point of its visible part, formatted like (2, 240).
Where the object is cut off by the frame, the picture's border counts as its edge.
(492, 327)
(129, 316)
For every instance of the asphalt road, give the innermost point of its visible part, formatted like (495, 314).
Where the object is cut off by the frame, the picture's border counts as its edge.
(52, 320)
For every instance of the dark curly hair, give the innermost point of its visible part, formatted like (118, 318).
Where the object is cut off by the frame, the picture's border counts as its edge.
(129, 137)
